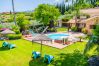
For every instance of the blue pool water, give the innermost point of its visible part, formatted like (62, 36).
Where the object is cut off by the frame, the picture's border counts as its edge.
(57, 36)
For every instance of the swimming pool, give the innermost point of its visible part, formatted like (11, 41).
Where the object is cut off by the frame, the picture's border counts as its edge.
(57, 36)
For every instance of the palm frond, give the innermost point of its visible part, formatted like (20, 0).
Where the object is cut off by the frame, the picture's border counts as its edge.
(90, 44)
(97, 49)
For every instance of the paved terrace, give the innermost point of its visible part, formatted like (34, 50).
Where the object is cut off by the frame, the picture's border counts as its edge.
(54, 44)
(48, 43)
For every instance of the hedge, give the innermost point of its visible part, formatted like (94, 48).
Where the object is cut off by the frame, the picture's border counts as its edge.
(14, 36)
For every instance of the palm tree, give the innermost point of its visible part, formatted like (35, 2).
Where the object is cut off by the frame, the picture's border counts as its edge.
(78, 4)
(14, 12)
(63, 7)
(93, 41)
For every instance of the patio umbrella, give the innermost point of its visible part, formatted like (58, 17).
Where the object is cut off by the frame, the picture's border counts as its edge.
(41, 37)
(7, 32)
(3, 29)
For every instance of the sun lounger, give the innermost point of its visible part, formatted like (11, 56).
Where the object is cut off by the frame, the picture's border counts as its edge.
(36, 54)
(10, 46)
(5, 44)
(48, 58)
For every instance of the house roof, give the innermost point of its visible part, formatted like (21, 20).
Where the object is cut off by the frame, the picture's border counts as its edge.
(91, 11)
(73, 21)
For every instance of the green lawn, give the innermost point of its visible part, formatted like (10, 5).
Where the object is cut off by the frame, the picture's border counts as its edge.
(62, 29)
(21, 56)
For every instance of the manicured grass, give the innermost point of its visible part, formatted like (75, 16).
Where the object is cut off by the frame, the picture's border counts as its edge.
(21, 56)
(62, 29)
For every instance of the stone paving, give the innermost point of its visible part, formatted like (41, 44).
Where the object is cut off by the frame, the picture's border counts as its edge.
(54, 44)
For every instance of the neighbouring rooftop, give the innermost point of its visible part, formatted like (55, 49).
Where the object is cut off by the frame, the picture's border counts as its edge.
(91, 11)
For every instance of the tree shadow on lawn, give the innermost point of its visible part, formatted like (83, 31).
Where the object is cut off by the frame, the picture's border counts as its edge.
(4, 49)
(37, 62)
(71, 59)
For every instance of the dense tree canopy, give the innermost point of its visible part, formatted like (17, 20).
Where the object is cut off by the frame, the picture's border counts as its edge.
(97, 3)
(22, 22)
(44, 13)
(11, 18)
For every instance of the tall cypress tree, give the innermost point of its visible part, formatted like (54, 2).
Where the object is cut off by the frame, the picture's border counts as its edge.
(61, 7)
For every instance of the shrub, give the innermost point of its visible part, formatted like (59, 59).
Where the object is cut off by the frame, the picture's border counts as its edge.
(61, 29)
(14, 36)
(74, 29)
(72, 59)
(1, 26)
(66, 12)
(97, 3)
(78, 16)
(84, 30)
(16, 29)
(53, 30)
(65, 19)
(87, 15)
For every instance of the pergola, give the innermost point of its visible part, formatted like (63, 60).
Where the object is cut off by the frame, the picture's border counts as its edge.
(41, 37)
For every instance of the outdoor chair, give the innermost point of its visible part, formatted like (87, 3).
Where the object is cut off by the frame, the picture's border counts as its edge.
(10, 46)
(48, 58)
(36, 55)
(5, 44)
